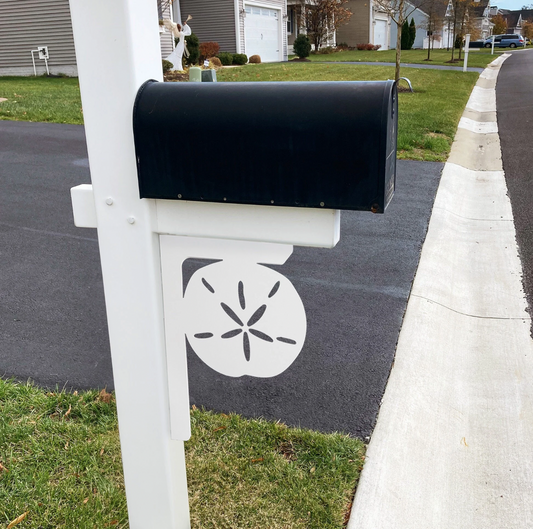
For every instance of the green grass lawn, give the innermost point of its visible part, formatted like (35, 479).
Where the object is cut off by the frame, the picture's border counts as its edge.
(476, 58)
(60, 466)
(428, 118)
(44, 99)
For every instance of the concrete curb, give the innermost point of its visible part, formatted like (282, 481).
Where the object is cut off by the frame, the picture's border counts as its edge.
(452, 444)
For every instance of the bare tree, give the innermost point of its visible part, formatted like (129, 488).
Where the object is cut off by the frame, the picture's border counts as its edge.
(434, 22)
(322, 18)
(463, 23)
(163, 5)
(460, 10)
(399, 11)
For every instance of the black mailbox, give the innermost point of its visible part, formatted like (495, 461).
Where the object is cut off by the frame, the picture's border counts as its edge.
(306, 144)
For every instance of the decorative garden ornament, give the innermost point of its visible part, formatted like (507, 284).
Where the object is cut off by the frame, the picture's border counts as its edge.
(179, 32)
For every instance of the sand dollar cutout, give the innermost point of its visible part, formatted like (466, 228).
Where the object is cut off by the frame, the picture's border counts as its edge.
(244, 319)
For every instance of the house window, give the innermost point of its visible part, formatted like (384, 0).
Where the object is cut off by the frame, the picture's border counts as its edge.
(290, 21)
(251, 10)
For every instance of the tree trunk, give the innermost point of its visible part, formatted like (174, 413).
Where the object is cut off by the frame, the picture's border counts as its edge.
(399, 40)
(455, 9)
(398, 53)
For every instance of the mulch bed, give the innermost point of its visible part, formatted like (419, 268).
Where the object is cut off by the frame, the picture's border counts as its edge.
(176, 77)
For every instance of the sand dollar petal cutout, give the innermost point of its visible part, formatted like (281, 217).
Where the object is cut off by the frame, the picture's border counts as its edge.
(244, 319)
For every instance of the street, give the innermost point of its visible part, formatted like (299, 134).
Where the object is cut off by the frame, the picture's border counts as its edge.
(514, 98)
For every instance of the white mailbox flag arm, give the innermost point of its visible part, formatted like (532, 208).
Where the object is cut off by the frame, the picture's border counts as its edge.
(117, 49)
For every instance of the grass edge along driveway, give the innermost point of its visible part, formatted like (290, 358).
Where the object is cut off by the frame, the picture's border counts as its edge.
(428, 118)
(477, 58)
(60, 467)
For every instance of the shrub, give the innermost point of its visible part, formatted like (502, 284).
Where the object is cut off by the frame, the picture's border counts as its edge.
(325, 51)
(193, 45)
(344, 47)
(369, 47)
(361, 46)
(209, 49)
(240, 59)
(302, 46)
(167, 65)
(376, 47)
(226, 58)
(214, 62)
(254, 59)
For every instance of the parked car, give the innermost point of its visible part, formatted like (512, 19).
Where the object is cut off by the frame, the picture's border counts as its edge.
(505, 41)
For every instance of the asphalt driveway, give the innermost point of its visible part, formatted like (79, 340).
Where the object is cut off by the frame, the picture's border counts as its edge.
(52, 313)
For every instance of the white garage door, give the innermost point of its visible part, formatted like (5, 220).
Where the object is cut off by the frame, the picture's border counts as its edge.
(261, 32)
(380, 34)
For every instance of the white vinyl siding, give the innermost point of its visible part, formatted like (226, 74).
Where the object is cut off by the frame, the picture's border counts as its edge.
(166, 38)
(27, 24)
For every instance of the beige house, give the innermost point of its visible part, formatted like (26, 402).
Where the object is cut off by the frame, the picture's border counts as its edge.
(251, 27)
(367, 25)
(31, 24)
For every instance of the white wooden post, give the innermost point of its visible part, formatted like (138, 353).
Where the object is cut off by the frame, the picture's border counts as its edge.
(467, 49)
(142, 246)
(239, 316)
(117, 49)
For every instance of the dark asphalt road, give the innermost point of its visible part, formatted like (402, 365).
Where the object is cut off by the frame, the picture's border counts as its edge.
(52, 315)
(514, 102)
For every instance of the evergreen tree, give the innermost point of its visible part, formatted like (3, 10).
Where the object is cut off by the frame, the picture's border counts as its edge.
(412, 33)
(405, 36)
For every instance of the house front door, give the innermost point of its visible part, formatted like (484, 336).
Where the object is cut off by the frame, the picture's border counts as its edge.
(380, 34)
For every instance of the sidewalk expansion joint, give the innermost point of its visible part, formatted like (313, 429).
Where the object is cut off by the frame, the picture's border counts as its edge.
(470, 218)
(498, 318)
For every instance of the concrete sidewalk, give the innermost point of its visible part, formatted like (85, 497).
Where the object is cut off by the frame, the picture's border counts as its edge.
(452, 445)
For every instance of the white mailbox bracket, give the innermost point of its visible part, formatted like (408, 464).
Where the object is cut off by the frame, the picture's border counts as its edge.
(242, 237)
